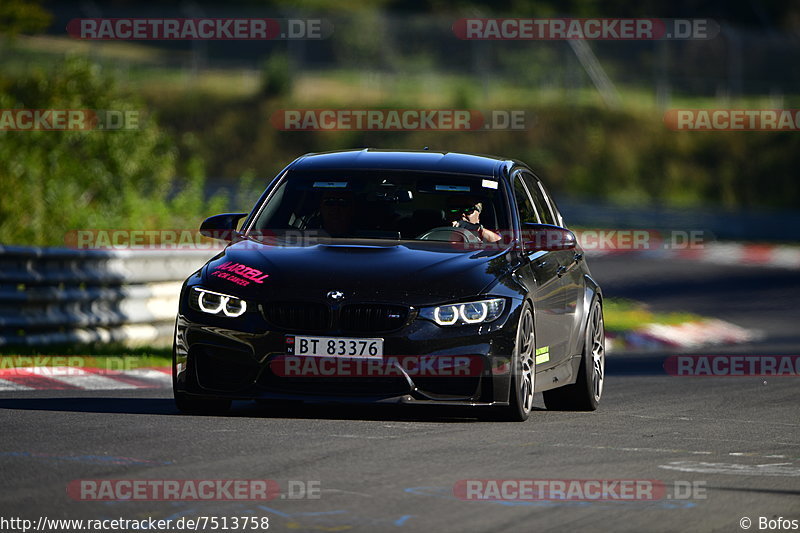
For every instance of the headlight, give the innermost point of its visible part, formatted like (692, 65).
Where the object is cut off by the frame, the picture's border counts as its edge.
(465, 313)
(215, 303)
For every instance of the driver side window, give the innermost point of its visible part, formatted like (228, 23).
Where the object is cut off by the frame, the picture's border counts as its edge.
(526, 211)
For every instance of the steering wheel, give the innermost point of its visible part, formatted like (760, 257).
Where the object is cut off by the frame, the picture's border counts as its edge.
(446, 233)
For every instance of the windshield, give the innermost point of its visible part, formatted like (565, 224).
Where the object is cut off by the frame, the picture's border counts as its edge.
(385, 205)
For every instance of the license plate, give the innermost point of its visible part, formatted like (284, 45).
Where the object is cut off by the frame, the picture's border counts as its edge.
(333, 346)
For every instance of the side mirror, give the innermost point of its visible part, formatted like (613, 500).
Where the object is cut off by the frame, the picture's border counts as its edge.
(222, 226)
(547, 237)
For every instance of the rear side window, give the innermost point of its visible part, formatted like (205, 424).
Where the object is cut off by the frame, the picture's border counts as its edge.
(540, 202)
(553, 206)
(527, 213)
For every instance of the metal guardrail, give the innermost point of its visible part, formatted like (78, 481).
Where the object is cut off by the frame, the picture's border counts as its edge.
(62, 296)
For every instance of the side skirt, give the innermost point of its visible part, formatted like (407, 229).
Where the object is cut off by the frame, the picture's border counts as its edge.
(565, 373)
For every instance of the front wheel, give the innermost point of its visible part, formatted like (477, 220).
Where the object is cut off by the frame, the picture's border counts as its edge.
(523, 375)
(584, 394)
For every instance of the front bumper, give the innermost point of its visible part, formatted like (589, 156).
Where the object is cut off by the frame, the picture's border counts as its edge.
(212, 360)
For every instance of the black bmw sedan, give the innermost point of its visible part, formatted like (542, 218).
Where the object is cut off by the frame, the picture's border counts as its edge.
(394, 277)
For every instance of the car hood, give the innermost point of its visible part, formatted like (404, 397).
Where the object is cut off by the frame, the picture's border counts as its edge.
(418, 273)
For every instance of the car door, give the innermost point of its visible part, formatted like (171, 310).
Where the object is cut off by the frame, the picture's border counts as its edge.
(544, 285)
(570, 265)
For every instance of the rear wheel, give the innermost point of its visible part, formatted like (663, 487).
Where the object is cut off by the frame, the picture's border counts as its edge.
(523, 375)
(584, 394)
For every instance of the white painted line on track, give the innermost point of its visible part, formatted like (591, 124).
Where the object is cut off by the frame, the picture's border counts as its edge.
(149, 373)
(778, 469)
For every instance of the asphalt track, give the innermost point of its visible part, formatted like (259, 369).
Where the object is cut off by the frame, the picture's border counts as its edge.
(386, 469)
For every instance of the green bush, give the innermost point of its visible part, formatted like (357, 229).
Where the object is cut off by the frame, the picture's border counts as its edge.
(56, 181)
(276, 77)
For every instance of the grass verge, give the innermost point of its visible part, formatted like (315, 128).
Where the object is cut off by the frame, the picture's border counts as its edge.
(622, 315)
(104, 356)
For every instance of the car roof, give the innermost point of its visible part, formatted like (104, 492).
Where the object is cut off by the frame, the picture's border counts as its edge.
(418, 160)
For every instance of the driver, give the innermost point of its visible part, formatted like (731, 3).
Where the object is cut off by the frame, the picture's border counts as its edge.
(466, 213)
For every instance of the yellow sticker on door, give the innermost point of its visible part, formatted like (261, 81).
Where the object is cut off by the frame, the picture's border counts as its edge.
(542, 355)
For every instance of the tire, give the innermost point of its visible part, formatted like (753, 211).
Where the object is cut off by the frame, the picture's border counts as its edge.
(585, 393)
(199, 405)
(523, 377)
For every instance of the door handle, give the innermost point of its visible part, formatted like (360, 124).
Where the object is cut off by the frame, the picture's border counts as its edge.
(541, 264)
(577, 257)
(561, 270)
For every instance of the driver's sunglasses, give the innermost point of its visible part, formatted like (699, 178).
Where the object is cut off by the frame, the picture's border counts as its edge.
(466, 211)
